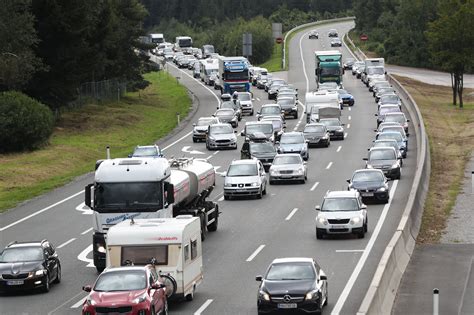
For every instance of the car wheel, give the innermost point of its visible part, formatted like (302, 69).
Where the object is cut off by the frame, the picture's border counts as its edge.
(260, 193)
(226, 197)
(271, 182)
(58, 276)
(366, 226)
(240, 118)
(327, 296)
(207, 146)
(361, 234)
(251, 113)
(195, 140)
(319, 234)
(264, 190)
(190, 296)
(296, 115)
(46, 284)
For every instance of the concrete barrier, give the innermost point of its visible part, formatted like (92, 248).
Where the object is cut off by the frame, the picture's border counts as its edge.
(384, 286)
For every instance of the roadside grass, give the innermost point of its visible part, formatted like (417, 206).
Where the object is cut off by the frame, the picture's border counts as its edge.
(274, 63)
(81, 136)
(363, 45)
(451, 138)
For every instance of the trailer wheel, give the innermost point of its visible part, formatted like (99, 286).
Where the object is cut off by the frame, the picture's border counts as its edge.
(213, 226)
(170, 284)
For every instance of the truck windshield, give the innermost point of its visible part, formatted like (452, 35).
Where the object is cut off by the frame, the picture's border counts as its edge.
(330, 72)
(375, 70)
(210, 71)
(185, 42)
(243, 75)
(128, 196)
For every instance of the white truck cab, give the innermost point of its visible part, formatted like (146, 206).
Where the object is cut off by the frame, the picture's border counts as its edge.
(172, 245)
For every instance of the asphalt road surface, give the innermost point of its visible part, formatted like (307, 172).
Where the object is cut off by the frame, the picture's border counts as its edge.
(231, 258)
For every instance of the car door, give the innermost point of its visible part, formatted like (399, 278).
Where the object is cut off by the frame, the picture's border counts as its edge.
(323, 284)
(50, 261)
(156, 299)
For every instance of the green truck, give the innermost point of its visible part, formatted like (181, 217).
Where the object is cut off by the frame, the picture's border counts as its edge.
(328, 66)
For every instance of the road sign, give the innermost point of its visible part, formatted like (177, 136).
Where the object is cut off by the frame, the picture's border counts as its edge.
(279, 40)
(363, 37)
(276, 30)
(247, 44)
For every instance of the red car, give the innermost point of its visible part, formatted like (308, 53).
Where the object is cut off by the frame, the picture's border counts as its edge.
(134, 290)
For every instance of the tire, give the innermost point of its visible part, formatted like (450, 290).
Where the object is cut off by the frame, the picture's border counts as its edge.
(366, 228)
(58, 276)
(319, 235)
(45, 288)
(296, 115)
(251, 113)
(170, 283)
(271, 182)
(207, 146)
(361, 234)
(226, 197)
(195, 140)
(190, 296)
(260, 193)
(100, 268)
(202, 218)
(264, 190)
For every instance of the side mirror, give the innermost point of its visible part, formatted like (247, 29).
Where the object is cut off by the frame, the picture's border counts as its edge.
(169, 189)
(258, 112)
(87, 195)
(343, 124)
(242, 133)
(157, 286)
(364, 206)
(323, 277)
(258, 278)
(130, 155)
(213, 115)
(365, 159)
(348, 181)
(223, 174)
(217, 108)
(305, 163)
(408, 120)
(235, 131)
(277, 142)
(317, 208)
(87, 288)
(376, 114)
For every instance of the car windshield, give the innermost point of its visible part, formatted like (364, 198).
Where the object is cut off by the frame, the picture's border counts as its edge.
(367, 177)
(314, 129)
(205, 122)
(330, 122)
(389, 109)
(395, 118)
(393, 128)
(21, 254)
(244, 97)
(265, 128)
(146, 151)
(277, 124)
(242, 170)
(225, 112)
(392, 144)
(382, 155)
(221, 129)
(391, 135)
(291, 271)
(228, 104)
(264, 147)
(286, 102)
(382, 84)
(340, 204)
(270, 110)
(375, 70)
(330, 71)
(389, 99)
(278, 82)
(129, 280)
(291, 139)
(286, 159)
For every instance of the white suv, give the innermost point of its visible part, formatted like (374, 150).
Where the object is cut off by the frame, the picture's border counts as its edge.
(245, 178)
(342, 212)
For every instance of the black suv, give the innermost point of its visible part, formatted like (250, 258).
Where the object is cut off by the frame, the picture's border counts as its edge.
(29, 265)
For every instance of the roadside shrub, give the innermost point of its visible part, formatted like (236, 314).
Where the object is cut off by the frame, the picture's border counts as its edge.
(25, 123)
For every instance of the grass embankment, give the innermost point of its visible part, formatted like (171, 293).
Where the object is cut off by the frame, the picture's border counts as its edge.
(451, 138)
(365, 46)
(274, 63)
(81, 136)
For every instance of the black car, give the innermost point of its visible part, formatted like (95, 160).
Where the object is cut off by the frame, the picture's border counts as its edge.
(29, 265)
(317, 135)
(333, 33)
(261, 149)
(386, 160)
(288, 105)
(371, 184)
(334, 126)
(292, 284)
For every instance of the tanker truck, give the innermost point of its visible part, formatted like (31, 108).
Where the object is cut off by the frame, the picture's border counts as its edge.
(148, 188)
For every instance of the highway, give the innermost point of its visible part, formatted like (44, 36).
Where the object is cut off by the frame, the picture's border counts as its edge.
(251, 233)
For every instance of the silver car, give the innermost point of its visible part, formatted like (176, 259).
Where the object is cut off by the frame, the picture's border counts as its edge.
(245, 178)
(200, 128)
(220, 136)
(246, 103)
(227, 115)
(288, 167)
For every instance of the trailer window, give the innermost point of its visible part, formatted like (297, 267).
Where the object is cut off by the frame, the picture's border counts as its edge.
(194, 249)
(186, 252)
(143, 255)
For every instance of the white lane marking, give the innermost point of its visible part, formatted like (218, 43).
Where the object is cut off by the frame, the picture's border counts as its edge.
(210, 156)
(258, 99)
(350, 108)
(78, 303)
(203, 307)
(348, 126)
(291, 214)
(216, 152)
(83, 257)
(349, 250)
(86, 231)
(40, 211)
(67, 242)
(186, 149)
(221, 198)
(329, 165)
(302, 61)
(255, 253)
(350, 283)
(314, 186)
(180, 139)
(349, 117)
(296, 128)
(339, 148)
(218, 196)
(345, 135)
(84, 209)
(57, 308)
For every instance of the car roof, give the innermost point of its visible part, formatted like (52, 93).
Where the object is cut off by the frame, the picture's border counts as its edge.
(126, 268)
(381, 149)
(314, 124)
(246, 161)
(25, 244)
(292, 133)
(395, 114)
(288, 154)
(373, 170)
(342, 194)
(261, 122)
(206, 118)
(292, 259)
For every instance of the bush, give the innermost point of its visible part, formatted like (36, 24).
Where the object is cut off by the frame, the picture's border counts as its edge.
(25, 123)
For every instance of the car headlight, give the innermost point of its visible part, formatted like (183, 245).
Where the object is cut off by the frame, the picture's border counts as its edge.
(355, 220)
(90, 301)
(255, 185)
(264, 295)
(382, 189)
(273, 172)
(139, 299)
(369, 166)
(227, 185)
(40, 272)
(322, 220)
(312, 295)
(300, 171)
(211, 139)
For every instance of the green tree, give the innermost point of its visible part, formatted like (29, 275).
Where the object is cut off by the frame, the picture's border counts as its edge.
(18, 62)
(451, 41)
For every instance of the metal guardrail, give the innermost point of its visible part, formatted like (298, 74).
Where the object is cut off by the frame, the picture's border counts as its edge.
(350, 18)
(382, 291)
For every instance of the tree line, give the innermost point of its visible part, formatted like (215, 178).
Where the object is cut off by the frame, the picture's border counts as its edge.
(436, 34)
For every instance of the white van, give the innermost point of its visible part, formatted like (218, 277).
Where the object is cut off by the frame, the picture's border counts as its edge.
(173, 245)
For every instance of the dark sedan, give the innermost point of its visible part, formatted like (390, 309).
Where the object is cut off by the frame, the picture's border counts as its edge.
(317, 135)
(386, 160)
(292, 284)
(335, 127)
(371, 184)
(29, 265)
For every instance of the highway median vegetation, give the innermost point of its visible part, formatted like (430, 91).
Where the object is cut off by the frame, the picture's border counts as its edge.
(81, 135)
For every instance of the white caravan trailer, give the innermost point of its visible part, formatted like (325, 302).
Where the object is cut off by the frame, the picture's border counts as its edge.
(173, 245)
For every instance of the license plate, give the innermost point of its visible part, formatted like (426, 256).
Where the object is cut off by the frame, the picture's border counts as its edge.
(240, 190)
(15, 282)
(287, 305)
(367, 194)
(339, 227)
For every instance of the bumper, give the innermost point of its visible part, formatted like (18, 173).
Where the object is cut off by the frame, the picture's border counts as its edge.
(142, 309)
(291, 112)
(340, 229)
(15, 285)
(285, 177)
(336, 135)
(309, 307)
(348, 101)
(215, 145)
(318, 142)
(374, 195)
(392, 173)
(243, 191)
(200, 136)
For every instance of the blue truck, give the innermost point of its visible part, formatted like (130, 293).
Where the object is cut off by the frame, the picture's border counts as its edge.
(233, 74)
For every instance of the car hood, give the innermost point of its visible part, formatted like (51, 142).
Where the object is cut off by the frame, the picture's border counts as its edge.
(285, 167)
(225, 118)
(264, 155)
(116, 298)
(200, 128)
(20, 267)
(224, 136)
(241, 179)
(246, 103)
(367, 185)
(291, 147)
(291, 287)
(381, 163)
(347, 95)
(338, 215)
(334, 128)
(285, 106)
